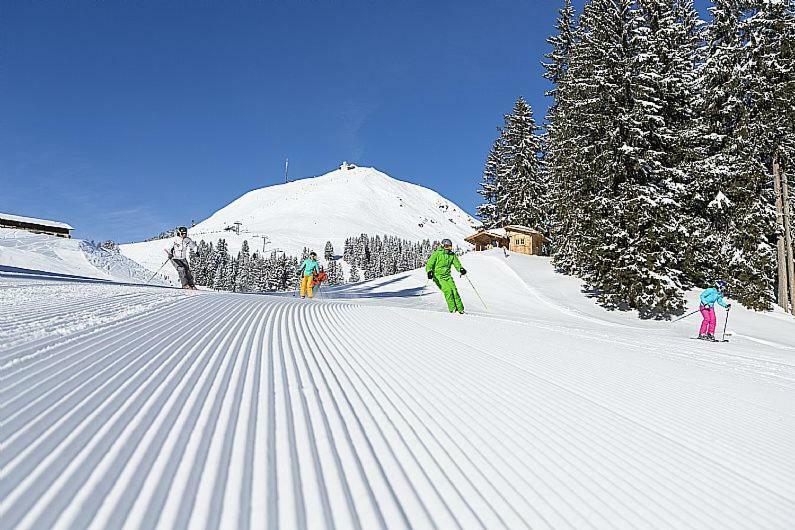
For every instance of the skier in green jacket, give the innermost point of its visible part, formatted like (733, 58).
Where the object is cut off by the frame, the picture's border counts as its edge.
(438, 269)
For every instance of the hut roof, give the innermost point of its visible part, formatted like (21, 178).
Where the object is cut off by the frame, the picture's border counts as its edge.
(35, 221)
(521, 229)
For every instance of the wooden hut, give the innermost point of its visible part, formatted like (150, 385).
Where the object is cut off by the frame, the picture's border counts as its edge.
(37, 226)
(516, 238)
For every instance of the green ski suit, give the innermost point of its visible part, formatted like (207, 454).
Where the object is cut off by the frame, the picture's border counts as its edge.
(440, 263)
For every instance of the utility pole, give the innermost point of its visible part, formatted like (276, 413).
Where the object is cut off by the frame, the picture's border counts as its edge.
(286, 168)
(786, 262)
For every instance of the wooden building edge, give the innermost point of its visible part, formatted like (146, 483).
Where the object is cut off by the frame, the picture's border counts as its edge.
(36, 226)
(515, 238)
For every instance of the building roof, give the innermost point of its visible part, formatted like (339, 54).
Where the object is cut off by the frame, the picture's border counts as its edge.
(35, 221)
(521, 229)
(494, 233)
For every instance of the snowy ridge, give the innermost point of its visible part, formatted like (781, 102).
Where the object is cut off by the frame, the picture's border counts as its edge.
(271, 412)
(27, 252)
(333, 207)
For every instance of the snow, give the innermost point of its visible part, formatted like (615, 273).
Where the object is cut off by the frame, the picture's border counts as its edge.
(45, 222)
(371, 407)
(333, 207)
(27, 252)
(720, 201)
(497, 232)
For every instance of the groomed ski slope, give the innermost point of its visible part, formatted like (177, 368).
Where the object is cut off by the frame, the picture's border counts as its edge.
(375, 409)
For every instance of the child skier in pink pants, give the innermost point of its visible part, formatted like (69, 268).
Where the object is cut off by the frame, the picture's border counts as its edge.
(708, 299)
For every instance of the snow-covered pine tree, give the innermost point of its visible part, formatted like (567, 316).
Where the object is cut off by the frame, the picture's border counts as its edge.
(257, 271)
(564, 211)
(199, 262)
(288, 267)
(347, 253)
(230, 272)
(490, 187)
(745, 117)
(218, 266)
(522, 185)
(559, 57)
(244, 278)
(222, 268)
(718, 106)
(334, 272)
(354, 274)
(768, 80)
(626, 241)
(328, 252)
(583, 147)
(663, 52)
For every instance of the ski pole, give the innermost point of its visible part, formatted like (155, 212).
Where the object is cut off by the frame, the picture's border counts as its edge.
(476, 292)
(726, 323)
(158, 270)
(685, 316)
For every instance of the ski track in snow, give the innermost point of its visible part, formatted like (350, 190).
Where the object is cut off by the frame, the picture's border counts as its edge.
(143, 408)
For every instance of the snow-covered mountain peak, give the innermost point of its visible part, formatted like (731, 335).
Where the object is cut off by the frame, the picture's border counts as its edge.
(343, 203)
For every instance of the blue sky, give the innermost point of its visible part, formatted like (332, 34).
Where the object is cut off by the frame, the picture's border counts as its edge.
(126, 118)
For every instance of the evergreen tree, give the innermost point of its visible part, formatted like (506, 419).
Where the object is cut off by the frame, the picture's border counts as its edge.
(199, 262)
(563, 170)
(490, 187)
(329, 251)
(768, 81)
(221, 269)
(745, 118)
(243, 279)
(521, 178)
(626, 243)
(559, 57)
(354, 274)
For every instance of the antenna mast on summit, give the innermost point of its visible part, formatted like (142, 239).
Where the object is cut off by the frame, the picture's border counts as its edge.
(286, 168)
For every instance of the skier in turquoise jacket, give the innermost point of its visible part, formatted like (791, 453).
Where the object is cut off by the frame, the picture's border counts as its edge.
(438, 268)
(709, 297)
(309, 268)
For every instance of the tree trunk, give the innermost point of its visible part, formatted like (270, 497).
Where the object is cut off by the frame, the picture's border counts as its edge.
(788, 240)
(781, 247)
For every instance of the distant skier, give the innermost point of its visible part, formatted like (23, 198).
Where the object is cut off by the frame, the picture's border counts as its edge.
(178, 254)
(438, 269)
(708, 299)
(309, 269)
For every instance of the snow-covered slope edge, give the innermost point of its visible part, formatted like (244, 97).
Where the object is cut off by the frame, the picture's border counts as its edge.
(331, 207)
(40, 253)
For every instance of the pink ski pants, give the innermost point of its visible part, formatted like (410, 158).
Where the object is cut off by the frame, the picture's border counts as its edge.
(709, 322)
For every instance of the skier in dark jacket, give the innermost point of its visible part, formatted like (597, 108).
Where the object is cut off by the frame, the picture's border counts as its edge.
(438, 268)
(178, 253)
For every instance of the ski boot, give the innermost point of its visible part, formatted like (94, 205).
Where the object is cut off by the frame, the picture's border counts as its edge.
(711, 338)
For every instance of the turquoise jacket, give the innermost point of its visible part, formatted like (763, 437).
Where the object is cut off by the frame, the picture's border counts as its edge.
(309, 266)
(441, 262)
(712, 295)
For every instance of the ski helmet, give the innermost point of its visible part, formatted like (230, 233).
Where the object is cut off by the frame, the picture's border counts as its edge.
(313, 253)
(720, 284)
(182, 231)
(447, 243)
